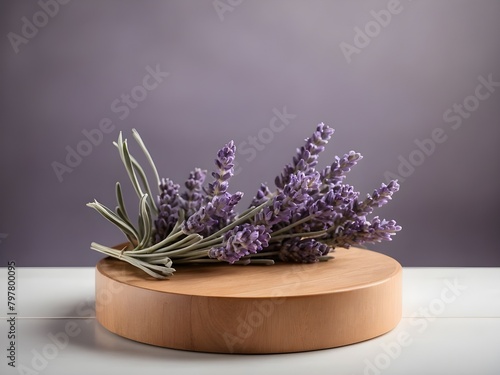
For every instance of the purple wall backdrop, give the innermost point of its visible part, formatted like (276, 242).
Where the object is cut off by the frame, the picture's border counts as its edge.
(412, 85)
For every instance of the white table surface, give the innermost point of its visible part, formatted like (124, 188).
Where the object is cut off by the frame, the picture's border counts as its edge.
(450, 325)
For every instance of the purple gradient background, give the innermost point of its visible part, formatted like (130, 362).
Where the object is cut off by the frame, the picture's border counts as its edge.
(225, 79)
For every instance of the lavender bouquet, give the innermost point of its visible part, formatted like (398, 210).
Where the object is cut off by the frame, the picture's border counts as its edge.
(303, 219)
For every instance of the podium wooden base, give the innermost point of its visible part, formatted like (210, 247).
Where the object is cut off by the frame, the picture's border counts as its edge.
(253, 309)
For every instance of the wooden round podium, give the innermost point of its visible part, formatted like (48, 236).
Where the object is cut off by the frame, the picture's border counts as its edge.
(281, 308)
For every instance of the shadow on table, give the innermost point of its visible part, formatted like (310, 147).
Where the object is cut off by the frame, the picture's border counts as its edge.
(92, 346)
(89, 335)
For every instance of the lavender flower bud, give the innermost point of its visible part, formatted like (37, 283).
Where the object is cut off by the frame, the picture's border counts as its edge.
(302, 251)
(201, 221)
(224, 206)
(215, 215)
(289, 202)
(225, 165)
(192, 198)
(168, 209)
(323, 211)
(262, 195)
(241, 241)
(327, 209)
(307, 156)
(379, 198)
(361, 231)
(335, 173)
(219, 204)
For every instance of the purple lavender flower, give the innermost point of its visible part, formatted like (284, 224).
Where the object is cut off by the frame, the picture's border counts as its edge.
(323, 211)
(302, 250)
(320, 201)
(168, 209)
(263, 194)
(192, 198)
(224, 205)
(215, 215)
(307, 156)
(219, 204)
(201, 221)
(225, 163)
(379, 198)
(335, 173)
(241, 241)
(289, 202)
(359, 231)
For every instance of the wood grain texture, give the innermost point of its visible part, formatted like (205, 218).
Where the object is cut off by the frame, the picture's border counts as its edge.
(254, 309)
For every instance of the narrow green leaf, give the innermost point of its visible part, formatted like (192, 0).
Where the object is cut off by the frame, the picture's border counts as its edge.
(145, 183)
(121, 204)
(148, 156)
(131, 170)
(145, 218)
(113, 218)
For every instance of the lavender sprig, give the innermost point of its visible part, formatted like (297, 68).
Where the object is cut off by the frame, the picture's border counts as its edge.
(379, 198)
(361, 231)
(168, 209)
(307, 156)
(225, 165)
(192, 198)
(219, 208)
(303, 251)
(241, 241)
(322, 213)
(287, 203)
(334, 174)
(201, 221)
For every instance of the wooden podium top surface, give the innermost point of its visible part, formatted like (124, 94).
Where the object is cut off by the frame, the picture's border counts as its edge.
(351, 269)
